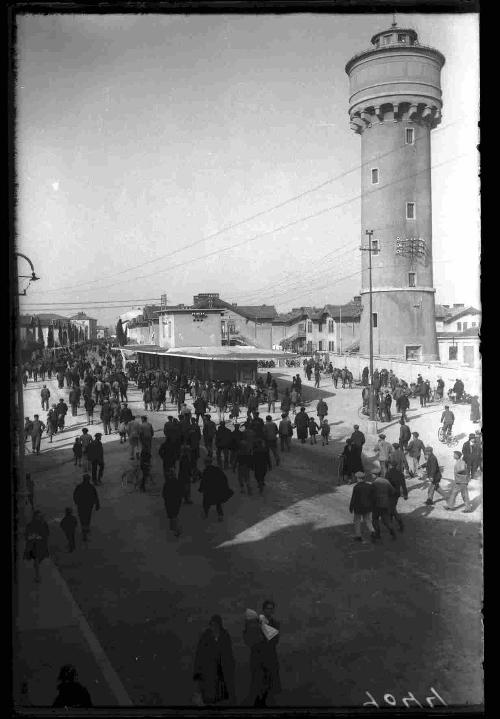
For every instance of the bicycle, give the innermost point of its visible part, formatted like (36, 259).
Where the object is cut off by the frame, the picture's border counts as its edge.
(446, 437)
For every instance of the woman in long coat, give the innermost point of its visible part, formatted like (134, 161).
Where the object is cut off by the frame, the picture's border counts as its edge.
(264, 665)
(352, 460)
(214, 664)
(37, 536)
(173, 491)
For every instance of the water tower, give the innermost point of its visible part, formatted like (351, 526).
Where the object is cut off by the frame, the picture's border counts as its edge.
(395, 102)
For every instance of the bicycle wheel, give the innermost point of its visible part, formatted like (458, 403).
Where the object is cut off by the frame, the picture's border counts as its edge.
(441, 435)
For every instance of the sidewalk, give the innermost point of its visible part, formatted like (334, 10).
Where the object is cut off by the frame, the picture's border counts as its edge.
(50, 631)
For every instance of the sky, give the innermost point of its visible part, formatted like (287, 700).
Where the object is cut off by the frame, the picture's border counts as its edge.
(161, 154)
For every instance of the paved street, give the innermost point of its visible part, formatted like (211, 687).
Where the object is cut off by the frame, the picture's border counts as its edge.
(395, 618)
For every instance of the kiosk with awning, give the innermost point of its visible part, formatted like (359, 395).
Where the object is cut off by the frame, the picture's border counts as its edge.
(225, 363)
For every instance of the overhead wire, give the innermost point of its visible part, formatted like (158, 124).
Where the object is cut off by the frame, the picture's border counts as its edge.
(240, 223)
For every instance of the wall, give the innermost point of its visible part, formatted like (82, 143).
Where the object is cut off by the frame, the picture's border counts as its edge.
(139, 334)
(409, 371)
(259, 334)
(469, 319)
(188, 333)
(460, 344)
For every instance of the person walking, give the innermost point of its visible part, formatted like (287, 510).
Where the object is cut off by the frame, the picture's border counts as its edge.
(467, 452)
(447, 420)
(285, 430)
(243, 463)
(68, 525)
(415, 449)
(397, 480)
(44, 396)
(264, 665)
(313, 429)
(106, 413)
(37, 537)
(133, 431)
(302, 424)
(404, 406)
(321, 410)
(361, 505)
(172, 493)
(209, 430)
(86, 498)
(383, 494)
(433, 473)
(214, 665)
(74, 399)
(223, 439)
(37, 429)
(272, 396)
(95, 455)
(404, 435)
(62, 410)
(460, 484)
(86, 441)
(215, 489)
(78, 451)
(260, 464)
(270, 436)
(146, 434)
(186, 472)
(89, 405)
(70, 693)
(383, 453)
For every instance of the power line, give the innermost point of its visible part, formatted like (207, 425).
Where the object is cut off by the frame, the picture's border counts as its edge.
(227, 228)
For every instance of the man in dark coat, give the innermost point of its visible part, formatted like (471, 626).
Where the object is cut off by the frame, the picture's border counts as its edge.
(433, 472)
(214, 664)
(85, 497)
(397, 479)
(403, 405)
(467, 453)
(261, 463)
(361, 506)
(223, 439)
(302, 424)
(404, 435)
(357, 441)
(185, 472)
(383, 494)
(215, 489)
(172, 493)
(209, 430)
(95, 455)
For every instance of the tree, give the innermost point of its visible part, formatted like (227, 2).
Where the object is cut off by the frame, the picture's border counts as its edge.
(59, 334)
(121, 336)
(41, 341)
(81, 334)
(65, 335)
(71, 334)
(50, 336)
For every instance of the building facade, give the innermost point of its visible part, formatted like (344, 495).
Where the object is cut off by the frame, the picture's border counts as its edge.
(395, 102)
(88, 324)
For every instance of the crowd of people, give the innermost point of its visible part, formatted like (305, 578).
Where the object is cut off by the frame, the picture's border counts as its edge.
(99, 381)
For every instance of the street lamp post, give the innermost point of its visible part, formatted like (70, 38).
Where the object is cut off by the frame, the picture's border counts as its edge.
(369, 249)
(21, 488)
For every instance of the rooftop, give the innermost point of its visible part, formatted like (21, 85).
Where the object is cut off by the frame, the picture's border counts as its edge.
(82, 316)
(213, 353)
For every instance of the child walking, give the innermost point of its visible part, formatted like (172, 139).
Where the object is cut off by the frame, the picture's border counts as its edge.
(78, 451)
(68, 525)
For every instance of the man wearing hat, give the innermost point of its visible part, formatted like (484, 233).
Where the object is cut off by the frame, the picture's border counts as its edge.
(433, 471)
(447, 420)
(95, 455)
(383, 501)
(215, 489)
(361, 505)
(383, 452)
(85, 497)
(415, 449)
(467, 453)
(459, 484)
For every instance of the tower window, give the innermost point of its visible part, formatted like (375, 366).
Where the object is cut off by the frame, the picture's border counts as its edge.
(375, 319)
(375, 176)
(411, 279)
(387, 39)
(409, 135)
(401, 38)
(410, 211)
(309, 326)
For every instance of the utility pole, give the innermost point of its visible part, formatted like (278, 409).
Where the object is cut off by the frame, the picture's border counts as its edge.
(21, 489)
(340, 327)
(369, 249)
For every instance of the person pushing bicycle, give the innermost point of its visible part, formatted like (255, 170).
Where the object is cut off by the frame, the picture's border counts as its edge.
(447, 420)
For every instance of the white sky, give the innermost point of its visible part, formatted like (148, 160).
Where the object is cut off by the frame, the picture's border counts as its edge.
(138, 135)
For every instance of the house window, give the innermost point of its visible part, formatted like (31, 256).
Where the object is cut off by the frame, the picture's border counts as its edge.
(387, 39)
(309, 347)
(375, 247)
(320, 346)
(375, 176)
(410, 210)
(459, 326)
(411, 279)
(320, 327)
(309, 326)
(464, 326)
(331, 346)
(375, 319)
(413, 352)
(302, 327)
(409, 136)
(330, 326)
(452, 352)
(474, 324)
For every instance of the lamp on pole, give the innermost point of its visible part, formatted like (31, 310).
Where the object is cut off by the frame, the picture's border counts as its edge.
(20, 476)
(369, 249)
